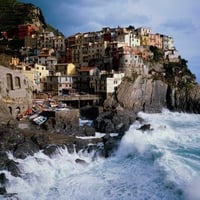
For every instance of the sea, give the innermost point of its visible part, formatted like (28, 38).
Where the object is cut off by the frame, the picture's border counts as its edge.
(162, 163)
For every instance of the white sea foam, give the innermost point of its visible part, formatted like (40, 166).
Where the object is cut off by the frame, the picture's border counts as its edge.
(193, 189)
(158, 164)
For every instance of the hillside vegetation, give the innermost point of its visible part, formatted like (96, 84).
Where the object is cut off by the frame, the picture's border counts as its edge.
(13, 13)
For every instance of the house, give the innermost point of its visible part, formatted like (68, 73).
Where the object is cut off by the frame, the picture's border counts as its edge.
(105, 83)
(143, 31)
(113, 82)
(16, 91)
(36, 74)
(60, 84)
(47, 58)
(84, 78)
(65, 69)
(168, 42)
(172, 55)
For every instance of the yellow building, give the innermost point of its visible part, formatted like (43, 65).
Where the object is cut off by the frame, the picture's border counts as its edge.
(144, 41)
(67, 69)
(37, 74)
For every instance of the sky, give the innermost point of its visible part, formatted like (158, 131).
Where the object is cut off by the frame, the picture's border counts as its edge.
(176, 18)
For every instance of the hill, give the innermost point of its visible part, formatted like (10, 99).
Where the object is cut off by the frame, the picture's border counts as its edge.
(14, 13)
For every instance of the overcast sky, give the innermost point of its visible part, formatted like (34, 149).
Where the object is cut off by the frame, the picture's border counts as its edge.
(177, 18)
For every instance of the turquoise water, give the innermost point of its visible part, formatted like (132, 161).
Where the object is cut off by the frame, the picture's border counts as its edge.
(159, 164)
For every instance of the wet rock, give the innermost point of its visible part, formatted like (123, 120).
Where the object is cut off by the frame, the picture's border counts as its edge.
(81, 144)
(41, 140)
(25, 149)
(110, 145)
(87, 131)
(3, 182)
(89, 112)
(145, 127)
(11, 166)
(50, 150)
(3, 179)
(80, 161)
(116, 121)
(3, 190)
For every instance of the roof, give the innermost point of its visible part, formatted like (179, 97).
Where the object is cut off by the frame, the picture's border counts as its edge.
(86, 69)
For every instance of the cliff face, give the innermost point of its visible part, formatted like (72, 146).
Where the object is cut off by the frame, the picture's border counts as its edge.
(15, 13)
(144, 94)
(173, 86)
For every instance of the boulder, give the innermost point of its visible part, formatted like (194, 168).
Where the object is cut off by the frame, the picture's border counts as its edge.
(145, 127)
(115, 121)
(25, 149)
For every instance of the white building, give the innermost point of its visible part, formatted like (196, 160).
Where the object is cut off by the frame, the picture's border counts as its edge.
(168, 42)
(113, 82)
(172, 55)
(144, 30)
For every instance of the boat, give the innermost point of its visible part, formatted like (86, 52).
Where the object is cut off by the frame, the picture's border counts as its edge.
(40, 120)
(33, 116)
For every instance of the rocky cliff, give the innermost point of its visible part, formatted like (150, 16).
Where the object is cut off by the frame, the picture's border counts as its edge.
(167, 85)
(11, 15)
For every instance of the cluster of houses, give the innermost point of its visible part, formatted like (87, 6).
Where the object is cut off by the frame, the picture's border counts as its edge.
(92, 62)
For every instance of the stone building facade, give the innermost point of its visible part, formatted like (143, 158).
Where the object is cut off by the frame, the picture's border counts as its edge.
(15, 91)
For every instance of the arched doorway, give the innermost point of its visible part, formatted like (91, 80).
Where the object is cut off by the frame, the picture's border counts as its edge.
(17, 112)
(10, 110)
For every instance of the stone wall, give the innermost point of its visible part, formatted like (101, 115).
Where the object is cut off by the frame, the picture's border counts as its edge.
(15, 91)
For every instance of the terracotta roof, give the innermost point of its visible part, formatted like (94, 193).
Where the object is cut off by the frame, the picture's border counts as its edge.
(86, 69)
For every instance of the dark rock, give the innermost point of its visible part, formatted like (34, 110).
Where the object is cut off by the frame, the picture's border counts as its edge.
(11, 166)
(3, 190)
(87, 130)
(50, 150)
(80, 161)
(41, 140)
(3, 179)
(116, 121)
(145, 127)
(25, 149)
(4, 159)
(89, 112)
(81, 144)
(110, 145)
(7, 164)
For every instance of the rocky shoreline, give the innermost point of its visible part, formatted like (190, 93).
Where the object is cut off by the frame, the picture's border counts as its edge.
(23, 138)
(62, 130)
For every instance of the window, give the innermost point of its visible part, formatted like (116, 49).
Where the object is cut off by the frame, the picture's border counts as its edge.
(9, 81)
(17, 82)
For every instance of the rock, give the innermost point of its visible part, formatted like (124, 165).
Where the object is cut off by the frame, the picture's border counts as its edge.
(11, 166)
(6, 118)
(89, 112)
(116, 121)
(145, 94)
(80, 161)
(25, 149)
(41, 140)
(3, 190)
(3, 179)
(87, 130)
(7, 164)
(110, 145)
(145, 127)
(53, 149)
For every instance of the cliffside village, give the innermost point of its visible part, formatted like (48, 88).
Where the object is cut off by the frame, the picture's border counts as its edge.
(84, 68)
